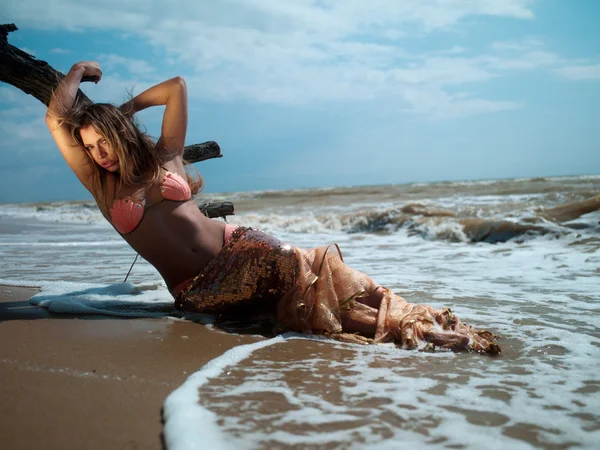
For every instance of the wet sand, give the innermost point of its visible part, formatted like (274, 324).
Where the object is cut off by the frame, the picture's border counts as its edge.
(91, 382)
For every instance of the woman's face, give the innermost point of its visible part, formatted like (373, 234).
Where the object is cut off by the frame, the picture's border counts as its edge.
(99, 148)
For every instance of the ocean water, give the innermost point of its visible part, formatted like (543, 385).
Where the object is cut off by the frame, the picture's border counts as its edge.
(518, 257)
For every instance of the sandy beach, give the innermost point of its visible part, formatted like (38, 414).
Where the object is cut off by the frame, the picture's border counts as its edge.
(92, 382)
(81, 372)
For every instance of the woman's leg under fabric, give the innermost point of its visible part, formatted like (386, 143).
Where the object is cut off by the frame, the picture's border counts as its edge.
(332, 293)
(314, 291)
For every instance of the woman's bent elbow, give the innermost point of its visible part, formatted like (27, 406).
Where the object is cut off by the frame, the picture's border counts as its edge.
(51, 120)
(180, 81)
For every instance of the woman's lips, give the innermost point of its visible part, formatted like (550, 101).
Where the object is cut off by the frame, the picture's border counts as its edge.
(108, 164)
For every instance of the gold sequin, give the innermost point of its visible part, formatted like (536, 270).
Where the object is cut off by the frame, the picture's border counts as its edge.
(252, 268)
(314, 291)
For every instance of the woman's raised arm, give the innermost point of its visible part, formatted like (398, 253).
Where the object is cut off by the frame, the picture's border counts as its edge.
(61, 104)
(173, 94)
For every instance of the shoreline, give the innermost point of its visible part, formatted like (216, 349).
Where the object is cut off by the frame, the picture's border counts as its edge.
(535, 178)
(93, 382)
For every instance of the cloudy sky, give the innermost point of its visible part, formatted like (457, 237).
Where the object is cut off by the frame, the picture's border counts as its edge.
(306, 93)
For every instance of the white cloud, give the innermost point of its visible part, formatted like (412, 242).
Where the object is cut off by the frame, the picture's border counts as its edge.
(443, 71)
(580, 72)
(133, 66)
(306, 52)
(441, 105)
(524, 61)
(519, 45)
(22, 126)
(114, 88)
(30, 130)
(455, 50)
(18, 104)
(24, 136)
(60, 51)
(9, 94)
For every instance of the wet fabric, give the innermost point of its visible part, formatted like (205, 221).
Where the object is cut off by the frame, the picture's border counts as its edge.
(314, 291)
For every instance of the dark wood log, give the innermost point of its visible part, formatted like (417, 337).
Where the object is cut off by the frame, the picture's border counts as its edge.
(201, 152)
(38, 78)
(23, 71)
(214, 210)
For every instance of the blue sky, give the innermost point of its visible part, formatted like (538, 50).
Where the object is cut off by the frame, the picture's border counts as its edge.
(303, 93)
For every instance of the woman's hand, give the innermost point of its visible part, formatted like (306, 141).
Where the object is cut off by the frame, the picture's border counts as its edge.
(89, 70)
(65, 93)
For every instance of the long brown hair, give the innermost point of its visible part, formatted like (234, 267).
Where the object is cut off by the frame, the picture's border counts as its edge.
(139, 158)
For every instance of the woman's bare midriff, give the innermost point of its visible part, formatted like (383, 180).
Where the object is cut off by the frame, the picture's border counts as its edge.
(177, 239)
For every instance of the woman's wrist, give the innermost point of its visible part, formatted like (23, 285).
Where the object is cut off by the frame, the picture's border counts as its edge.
(77, 70)
(85, 71)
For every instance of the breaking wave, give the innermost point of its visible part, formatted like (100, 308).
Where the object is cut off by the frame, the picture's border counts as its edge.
(423, 221)
(498, 211)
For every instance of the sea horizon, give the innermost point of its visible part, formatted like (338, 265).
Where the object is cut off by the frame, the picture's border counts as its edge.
(345, 186)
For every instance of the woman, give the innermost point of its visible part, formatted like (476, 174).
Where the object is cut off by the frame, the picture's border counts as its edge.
(142, 189)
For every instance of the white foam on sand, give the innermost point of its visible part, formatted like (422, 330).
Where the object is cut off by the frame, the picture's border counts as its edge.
(376, 397)
(190, 426)
(539, 294)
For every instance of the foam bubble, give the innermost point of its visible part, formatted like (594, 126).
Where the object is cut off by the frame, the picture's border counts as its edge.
(539, 292)
(188, 425)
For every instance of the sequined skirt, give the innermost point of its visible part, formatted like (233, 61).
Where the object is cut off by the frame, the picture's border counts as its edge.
(252, 269)
(314, 291)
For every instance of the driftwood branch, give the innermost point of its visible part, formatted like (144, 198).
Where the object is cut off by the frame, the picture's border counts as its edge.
(23, 71)
(201, 152)
(214, 210)
(38, 78)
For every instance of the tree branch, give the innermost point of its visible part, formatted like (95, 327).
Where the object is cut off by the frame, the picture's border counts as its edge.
(38, 78)
(201, 152)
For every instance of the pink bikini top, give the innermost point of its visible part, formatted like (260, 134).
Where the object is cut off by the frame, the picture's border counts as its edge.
(126, 213)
